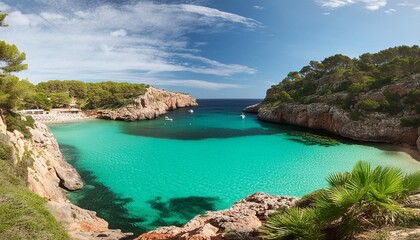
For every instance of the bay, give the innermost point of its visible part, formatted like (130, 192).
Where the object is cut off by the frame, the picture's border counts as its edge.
(146, 174)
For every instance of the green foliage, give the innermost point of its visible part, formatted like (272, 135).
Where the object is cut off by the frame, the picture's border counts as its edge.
(37, 100)
(293, 224)
(364, 198)
(12, 90)
(355, 78)
(281, 97)
(15, 121)
(11, 59)
(2, 17)
(308, 200)
(369, 105)
(91, 95)
(5, 148)
(23, 214)
(60, 99)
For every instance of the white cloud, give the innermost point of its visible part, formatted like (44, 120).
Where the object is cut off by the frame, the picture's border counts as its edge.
(4, 7)
(93, 43)
(390, 11)
(193, 84)
(52, 16)
(18, 19)
(209, 14)
(258, 7)
(119, 33)
(369, 4)
(326, 13)
(417, 8)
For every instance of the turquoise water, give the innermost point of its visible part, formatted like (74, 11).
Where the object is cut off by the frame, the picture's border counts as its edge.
(145, 174)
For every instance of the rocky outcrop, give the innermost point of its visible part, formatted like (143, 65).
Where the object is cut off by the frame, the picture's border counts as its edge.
(152, 104)
(243, 218)
(376, 127)
(252, 108)
(48, 174)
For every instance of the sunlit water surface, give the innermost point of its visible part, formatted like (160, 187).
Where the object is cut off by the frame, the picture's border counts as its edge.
(145, 174)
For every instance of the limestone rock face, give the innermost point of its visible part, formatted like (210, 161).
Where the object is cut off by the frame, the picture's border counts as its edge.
(253, 108)
(152, 104)
(376, 127)
(245, 216)
(49, 175)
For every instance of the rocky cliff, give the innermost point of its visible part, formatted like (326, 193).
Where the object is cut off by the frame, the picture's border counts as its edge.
(48, 176)
(318, 111)
(152, 104)
(376, 127)
(241, 221)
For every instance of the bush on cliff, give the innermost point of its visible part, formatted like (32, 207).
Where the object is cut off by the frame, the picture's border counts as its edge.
(361, 199)
(23, 214)
(14, 121)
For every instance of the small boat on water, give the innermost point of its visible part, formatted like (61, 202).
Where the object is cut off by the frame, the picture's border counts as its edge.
(168, 119)
(191, 111)
(242, 115)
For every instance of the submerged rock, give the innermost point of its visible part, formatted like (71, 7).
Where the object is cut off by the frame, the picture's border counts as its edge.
(243, 217)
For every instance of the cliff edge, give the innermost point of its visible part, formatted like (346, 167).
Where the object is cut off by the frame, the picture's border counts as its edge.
(374, 98)
(48, 175)
(152, 104)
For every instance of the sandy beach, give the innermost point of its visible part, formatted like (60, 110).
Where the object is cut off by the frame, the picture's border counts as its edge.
(61, 117)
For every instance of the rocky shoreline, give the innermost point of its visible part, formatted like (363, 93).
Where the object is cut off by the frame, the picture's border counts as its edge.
(50, 176)
(152, 104)
(242, 219)
(375, 128)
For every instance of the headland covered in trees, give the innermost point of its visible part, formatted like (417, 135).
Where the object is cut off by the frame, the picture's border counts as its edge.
(375, 97)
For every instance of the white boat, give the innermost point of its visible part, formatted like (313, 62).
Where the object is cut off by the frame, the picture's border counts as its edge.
(242, 116)
(191, 111)
(168, 119)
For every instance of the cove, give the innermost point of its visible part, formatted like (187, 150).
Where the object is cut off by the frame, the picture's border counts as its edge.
(146, 174)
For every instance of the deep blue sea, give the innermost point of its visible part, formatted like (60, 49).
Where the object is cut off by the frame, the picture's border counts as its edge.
(151, 173)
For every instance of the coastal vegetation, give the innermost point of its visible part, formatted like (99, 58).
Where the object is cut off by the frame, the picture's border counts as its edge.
(386, 82)
(362, 199)
(100, 95)
(23, 214)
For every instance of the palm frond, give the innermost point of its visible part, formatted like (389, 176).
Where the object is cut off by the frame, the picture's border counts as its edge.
(338, 179)
(294, 223)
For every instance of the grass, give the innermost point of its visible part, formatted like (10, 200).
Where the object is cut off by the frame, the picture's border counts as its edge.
(23, 214)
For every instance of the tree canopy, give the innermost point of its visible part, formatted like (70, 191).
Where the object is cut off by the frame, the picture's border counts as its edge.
(348, 83)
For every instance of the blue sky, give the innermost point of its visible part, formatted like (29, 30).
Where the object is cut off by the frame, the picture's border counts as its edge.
(209, 48)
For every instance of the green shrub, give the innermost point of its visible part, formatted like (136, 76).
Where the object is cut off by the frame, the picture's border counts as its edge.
(14, 121)
(5, 149)
(308, 200)
(358, 200)
(356, 87)
(293, 223)
(281, 97)
(23, 214)
(369, 105)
